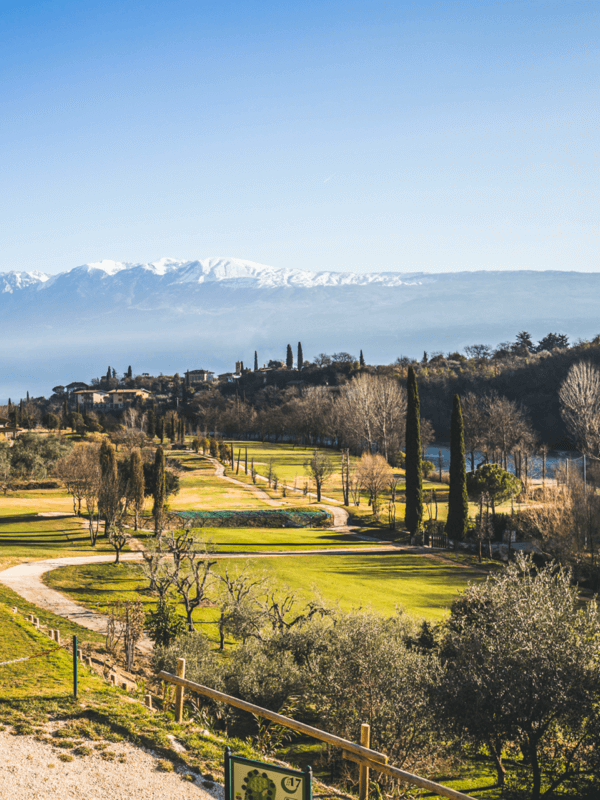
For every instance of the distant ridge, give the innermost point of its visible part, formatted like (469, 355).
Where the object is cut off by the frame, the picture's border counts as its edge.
(170, 315)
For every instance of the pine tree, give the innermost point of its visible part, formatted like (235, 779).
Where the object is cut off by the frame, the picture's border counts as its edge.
(255, 361)
(300, 357)
(289, 358)
(458, 501)
(136, 484)
(414, 473)
(159, 488)
(361, 360)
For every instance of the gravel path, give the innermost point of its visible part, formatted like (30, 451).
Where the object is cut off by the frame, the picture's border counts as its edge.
(30, 770)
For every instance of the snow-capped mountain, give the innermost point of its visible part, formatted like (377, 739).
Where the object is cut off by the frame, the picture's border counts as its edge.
(170, 315)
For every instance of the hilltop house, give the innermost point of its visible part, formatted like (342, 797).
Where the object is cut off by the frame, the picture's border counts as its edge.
(117, 398)
(193, 376)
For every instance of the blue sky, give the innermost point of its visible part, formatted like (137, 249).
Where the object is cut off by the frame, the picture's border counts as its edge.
(403, 136)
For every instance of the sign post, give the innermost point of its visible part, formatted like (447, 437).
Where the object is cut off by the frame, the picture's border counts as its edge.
(75, 687)
(256, 780)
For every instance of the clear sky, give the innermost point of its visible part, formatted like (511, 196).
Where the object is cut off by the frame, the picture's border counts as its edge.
(325, 134)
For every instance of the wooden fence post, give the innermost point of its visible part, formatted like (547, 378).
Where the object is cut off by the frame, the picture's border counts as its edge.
(180, 691)
(363, 778)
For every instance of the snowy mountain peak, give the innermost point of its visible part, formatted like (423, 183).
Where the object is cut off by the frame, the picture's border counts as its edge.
(11, 281)
(232, 272)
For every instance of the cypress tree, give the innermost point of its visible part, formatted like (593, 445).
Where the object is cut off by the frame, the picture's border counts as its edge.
(300, 357)
(129, 372)
(136, 483)
(159, 488)
(289, 358)
(255, 361)
(108, 496)
(361, 360)
(414, 471)
(458, 501)
(151, 424)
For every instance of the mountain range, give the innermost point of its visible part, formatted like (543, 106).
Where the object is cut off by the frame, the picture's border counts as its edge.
(172, 315)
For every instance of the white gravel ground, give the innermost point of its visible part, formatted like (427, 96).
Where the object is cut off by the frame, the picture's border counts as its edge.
(30, 770)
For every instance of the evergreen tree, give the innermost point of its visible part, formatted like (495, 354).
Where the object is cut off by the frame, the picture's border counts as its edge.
(458, 501)
(159, 488)
(129, 372)
(114, 372)
(136, 483)
(300, 357)
(151, 424)
(361, 360)
(255, 361)
(108, 374)
(414, 472)
(289, 358)
(108, 496)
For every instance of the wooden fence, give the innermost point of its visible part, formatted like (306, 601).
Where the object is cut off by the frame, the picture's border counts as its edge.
(435, 540)
(359, 753)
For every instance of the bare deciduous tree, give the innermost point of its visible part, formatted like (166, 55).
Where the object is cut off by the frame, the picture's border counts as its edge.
(375, 475)
(320, 468)
(580, 406)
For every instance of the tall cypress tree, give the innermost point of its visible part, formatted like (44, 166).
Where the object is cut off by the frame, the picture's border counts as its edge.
(458, 501)
(136, 483)
(414, 470)
(159, 488)
(289, 358)
(300, 357)
(151, 424)
(361, 360)
(255, 361)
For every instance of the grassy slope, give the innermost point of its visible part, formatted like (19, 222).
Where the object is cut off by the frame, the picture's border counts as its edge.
(48, 676)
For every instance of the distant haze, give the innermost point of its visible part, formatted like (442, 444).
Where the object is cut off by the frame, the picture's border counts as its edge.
(169, 316)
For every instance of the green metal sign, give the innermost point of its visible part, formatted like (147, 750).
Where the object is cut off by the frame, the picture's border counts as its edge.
(256, 780)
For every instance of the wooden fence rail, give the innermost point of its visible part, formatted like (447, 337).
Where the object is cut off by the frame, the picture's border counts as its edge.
(352, 751)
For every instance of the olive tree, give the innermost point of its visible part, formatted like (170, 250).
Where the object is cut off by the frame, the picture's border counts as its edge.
(523, 669)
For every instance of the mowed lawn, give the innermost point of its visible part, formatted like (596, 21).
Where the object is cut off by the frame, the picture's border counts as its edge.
(424, 587)
(27, 537)
(276, 539)
(201, 489)
(288, 463)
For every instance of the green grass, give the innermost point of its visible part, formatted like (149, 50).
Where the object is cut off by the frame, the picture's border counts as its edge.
(29, 537)
(423, 586)
(201, 489)
(252, 539)
(50, 675)
(67, 628)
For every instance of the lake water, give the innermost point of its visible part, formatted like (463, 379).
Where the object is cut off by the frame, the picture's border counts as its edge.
(534, 467)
